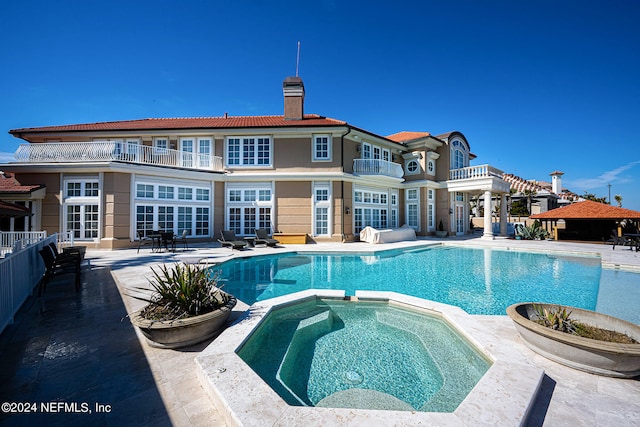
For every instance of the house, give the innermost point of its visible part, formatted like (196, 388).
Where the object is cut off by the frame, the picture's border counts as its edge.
(292, 173)
(542, 196)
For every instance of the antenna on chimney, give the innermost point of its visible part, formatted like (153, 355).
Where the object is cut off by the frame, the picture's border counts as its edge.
(298, 59)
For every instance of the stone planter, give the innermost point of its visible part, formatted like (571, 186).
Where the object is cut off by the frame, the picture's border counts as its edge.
(593, 356)
(441, 233)
(184, 332)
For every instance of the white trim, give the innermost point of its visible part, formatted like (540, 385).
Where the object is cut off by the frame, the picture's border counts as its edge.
(322, 204)
(243, 139)
(314, 150)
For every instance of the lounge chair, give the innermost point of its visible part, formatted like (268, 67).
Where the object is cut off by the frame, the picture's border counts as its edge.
(229, 239)
(262, 237)
(620, 241)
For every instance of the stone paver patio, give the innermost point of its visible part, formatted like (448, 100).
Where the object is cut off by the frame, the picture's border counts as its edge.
(84, 351)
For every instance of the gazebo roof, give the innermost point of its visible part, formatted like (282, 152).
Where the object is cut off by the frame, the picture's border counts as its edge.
(589, 210)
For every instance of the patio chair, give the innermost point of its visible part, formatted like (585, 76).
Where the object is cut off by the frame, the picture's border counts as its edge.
(229, 239)
(262, 237)
(168, 239)
(72, 257)
(143, 239)
(183, 239)
(55, 266)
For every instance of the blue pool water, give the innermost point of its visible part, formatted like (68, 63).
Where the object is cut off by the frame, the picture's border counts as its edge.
(367, 355)
(480, 281)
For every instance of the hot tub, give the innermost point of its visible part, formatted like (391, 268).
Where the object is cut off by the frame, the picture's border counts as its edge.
(423, 358)
(365, 355)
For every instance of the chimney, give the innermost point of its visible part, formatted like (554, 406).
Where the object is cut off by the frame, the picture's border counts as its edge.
(293, 90)
(556, 181)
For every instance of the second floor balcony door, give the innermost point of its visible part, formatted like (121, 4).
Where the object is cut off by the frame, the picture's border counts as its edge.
(186, 152)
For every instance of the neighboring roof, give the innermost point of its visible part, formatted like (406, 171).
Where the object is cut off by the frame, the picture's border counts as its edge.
(187, 123)
(13, 209)
(588, 210)
(406, 136)
(10, 185)
(521, 185)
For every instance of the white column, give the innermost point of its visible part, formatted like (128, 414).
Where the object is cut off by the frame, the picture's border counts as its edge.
(488, 232)
(503, 215)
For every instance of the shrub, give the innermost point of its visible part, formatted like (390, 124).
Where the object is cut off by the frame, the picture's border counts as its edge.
(182, 291)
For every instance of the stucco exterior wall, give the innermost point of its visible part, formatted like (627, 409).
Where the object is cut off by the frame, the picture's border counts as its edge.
(293, 201)
(117, 210)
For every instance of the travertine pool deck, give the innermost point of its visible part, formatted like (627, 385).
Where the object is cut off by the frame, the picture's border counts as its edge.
(83, 349)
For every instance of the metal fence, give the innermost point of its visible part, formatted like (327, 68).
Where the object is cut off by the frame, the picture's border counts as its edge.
(19, 274)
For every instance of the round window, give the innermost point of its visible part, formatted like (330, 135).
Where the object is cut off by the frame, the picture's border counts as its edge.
(412, 166)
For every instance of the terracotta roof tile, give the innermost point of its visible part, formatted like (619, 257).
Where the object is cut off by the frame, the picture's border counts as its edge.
(187, 123)
(588, 209)
(9, 184)
(405, 136)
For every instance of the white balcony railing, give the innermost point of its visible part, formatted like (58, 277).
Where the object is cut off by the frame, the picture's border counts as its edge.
(73, 152)
(473, 172)
(377, 167)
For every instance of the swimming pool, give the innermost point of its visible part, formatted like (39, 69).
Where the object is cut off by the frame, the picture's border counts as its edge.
(480, 281)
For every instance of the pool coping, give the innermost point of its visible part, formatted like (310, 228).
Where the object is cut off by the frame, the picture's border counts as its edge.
(504, 395)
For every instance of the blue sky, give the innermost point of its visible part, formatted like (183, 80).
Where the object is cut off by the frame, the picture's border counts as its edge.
(535, 86)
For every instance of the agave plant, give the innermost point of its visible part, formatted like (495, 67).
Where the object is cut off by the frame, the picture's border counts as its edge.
(557, 318)
(533, 232)
(185, 290)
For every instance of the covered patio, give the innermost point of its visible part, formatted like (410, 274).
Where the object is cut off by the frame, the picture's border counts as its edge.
(589, 221)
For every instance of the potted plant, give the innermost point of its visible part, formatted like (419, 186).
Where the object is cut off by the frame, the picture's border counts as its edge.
(186, 306)
(582, 339)
(440, 232)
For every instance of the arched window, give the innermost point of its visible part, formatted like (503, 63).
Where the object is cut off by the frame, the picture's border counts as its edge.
(459, 154)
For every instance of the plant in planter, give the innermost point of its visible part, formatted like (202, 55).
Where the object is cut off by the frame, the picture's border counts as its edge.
(186, 307)
(581, 339)
(440, 232)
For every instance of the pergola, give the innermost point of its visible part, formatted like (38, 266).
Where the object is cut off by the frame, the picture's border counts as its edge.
(589, 220)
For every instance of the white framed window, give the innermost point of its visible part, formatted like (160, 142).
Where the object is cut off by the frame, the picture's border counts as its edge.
(322, 147)
(185, 193)
(174, 208)
(321, 209)
(248, 207)
(413, 208)
(412, 167)
(249, 151)
(374, 207)
(144, 191)
(81, 207)
(165, 192)
(431, 208)
(160, 145)
(366, 150)
(202, 194)
(459, 154)
(431, 167)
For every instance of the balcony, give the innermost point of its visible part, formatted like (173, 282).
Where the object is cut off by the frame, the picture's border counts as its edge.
(477, 178)
(377, 167)
(106, 151)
